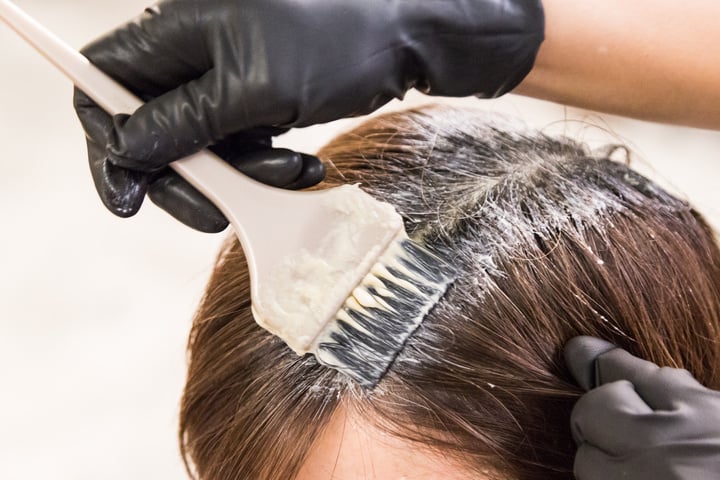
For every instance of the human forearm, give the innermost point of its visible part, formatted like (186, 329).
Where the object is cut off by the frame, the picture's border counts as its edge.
(651, 59)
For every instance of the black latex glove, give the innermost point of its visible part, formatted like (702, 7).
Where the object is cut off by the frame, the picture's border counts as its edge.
(640, 421)
(214, 68)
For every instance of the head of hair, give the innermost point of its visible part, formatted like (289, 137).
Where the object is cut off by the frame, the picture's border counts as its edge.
(551, 239)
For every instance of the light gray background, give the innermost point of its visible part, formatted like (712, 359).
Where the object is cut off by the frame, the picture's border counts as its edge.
(95, 310)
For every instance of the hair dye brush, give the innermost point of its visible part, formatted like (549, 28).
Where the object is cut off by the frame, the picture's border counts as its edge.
(332, 272)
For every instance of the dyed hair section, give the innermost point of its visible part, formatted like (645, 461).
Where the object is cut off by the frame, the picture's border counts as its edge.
(552, 240)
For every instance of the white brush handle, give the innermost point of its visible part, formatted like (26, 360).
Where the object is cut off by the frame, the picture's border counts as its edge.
(204, 170)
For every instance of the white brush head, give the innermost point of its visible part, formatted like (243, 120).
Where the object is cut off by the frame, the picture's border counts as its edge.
(321, 253)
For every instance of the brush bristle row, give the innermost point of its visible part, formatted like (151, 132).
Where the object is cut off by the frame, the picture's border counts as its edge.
(384, 310)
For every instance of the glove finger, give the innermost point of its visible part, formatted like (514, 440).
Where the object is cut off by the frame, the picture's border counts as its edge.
(312, 173)
(159, 38)
(184, 202)
(661, 388)
(282, 168)
(171, 126)
(580, 354)
(250, 152)
(595, 362)
(276, 167)
(608, 417)
(121, 190)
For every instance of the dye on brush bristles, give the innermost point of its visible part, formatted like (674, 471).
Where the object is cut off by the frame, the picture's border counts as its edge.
(383, 311)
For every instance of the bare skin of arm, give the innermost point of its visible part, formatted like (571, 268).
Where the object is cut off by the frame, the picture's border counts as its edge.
(655, 60)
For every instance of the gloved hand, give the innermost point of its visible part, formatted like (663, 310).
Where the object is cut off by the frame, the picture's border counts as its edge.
(122, 190)
(640, 421)
(215, 68)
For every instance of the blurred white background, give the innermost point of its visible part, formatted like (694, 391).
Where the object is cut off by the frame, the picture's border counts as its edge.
(95, 310)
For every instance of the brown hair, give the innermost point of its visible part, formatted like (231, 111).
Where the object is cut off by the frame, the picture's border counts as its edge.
(552, 241)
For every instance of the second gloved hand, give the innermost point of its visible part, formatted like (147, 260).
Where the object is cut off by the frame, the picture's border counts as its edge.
(212, 69)
(640, 421)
